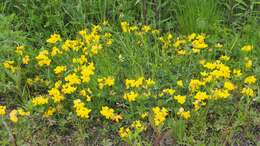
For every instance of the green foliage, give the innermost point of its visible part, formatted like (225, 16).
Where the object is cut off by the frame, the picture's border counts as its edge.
(241, 12)
(197, 15)
(10, 84)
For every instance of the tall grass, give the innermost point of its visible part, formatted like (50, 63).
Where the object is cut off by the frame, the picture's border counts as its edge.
(196, 15)
(239, 13)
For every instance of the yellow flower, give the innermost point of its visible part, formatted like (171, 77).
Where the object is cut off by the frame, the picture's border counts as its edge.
(218, 45)
(125, 27)
(2, 110)
(199, 44)
(194, 50)
(54, 38)
(39, 100)
(124, 132)
(137, 124)
(184, 114)
(106, 81)
(169, 91)
(86, 72)
(60, 69)
(131, 96)
(195, 84)
(237, 72)
(56, 95)
(50, 111)
(72, 79)
(150, 82)
(247, 48)
(248, 63)
(68, 88)
(107, 112)
(26, 59)
(181, 52)
(224, 58)
(180, 99)
(192, 36)
(180, 83)
(146, 28)
(43, 58)
(196, 104)
(159, 115)
(144, 115)
(117, 118)
(250, 80)
(229, 85)
(13, 116)
(96, 48)
(22, 112)
(202, 61)
(58, 84)
(247, 91)
(200, 96)
(80, 108)
(8, 64)
(134, 83)
(86, 93)
(19, 50)
(220, 93)
(55, 51)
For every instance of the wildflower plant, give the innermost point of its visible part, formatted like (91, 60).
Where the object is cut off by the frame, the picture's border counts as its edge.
(68, 80)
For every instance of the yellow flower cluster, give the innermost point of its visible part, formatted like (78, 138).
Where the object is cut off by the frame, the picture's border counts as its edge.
(168, 91)
(55, 94)
(250, 80)
(60, 69)
(106, 81)
(43, 58)
(134, 83)
(124, 132)
(40, 100)
(109, 114)
(19, 50)
(135, 128)
(248, 91)
(195, 84)
(184, 114)
(9, 65)
(86, 93)
(180, 99)
(247, 48)
(201, 96)
(130, 96)
(138, 125)
(159, 115)
(139, 30)
(87, 71)
(67, 71)
(54, 38)
(14, 114)
(37, 80)
(2, 110)
(80, 109)
(50, 111)
(197, 41)
(26, 59)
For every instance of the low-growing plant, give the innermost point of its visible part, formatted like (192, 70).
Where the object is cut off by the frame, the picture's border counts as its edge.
(131, 86)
